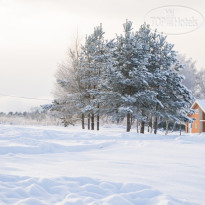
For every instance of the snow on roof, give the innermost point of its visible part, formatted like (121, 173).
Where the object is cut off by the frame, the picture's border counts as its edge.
(201, 104)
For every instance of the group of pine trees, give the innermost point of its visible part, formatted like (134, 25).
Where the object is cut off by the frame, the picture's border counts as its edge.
(134, 77)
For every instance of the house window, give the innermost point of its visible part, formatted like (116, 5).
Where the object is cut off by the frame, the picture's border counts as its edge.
(197, 111)
(195, 125)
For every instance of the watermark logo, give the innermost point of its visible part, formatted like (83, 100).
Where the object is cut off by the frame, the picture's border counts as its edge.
(174, 20)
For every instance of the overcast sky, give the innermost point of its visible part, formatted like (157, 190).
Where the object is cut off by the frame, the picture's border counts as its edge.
(36, 34)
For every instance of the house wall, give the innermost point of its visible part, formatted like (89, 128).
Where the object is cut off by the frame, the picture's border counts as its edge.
(203, 117)
(200, 122)
(196, 123)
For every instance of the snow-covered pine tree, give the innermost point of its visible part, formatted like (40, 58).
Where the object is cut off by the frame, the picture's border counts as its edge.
(92, 64)
(178, 101)
(99, 64)
(85, 75)
(164, 66)
(125, 81)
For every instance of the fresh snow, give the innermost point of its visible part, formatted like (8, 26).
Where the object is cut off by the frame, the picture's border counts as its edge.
(65, 166)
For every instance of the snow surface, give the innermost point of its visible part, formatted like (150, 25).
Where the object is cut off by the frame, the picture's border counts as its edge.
(65, 166)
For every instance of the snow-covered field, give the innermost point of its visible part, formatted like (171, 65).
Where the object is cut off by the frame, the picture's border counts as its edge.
(64, 166)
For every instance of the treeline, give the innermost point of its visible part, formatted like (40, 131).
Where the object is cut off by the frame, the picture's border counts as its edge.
(37, 116)
(134, 77)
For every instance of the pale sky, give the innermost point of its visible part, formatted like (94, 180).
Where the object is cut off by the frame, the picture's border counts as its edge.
(36, 34)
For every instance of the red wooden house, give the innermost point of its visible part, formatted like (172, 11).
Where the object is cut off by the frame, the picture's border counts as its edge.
(198, 126)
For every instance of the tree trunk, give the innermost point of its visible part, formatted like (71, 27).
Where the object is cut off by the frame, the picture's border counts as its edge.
(88, 121)
(129, 93)
(137, 126)
(98, 122)
(142, 127)
(180, 128)
(147, 122)
(167, 127)
(151, 124)
(174, 126)
(155, 125)
(83, 121)
(98, 119)
(128, 122)
(156, 120)
(92, 122)
(131, 121)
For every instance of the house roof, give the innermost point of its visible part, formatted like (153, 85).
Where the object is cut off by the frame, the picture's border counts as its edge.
(201, 104)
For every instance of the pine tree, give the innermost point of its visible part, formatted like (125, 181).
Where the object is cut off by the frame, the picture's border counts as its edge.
(126, 78)
(92, 65)
(173, 98)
